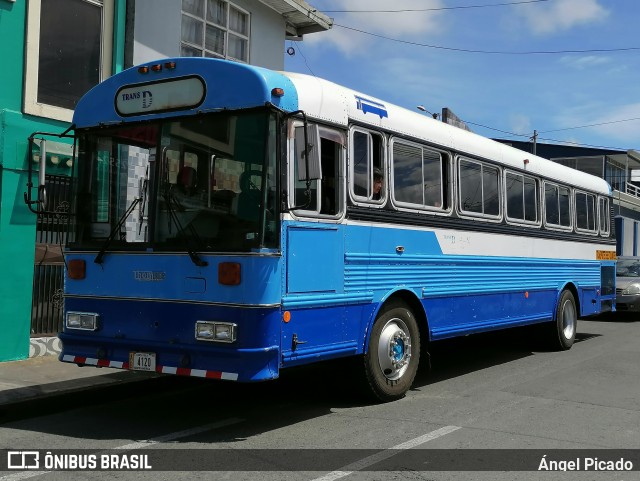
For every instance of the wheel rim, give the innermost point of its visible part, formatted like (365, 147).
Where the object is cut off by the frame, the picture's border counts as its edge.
(569, 319)
(394, 349)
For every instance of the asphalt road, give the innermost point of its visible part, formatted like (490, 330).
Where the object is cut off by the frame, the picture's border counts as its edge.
(482, 393)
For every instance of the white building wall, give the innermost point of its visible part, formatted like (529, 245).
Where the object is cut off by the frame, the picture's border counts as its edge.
(158, 23)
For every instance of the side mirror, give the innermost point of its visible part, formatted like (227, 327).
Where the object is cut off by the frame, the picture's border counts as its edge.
(307, 142)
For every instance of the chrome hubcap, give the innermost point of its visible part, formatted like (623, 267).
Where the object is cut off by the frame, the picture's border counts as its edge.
(569, 319)
(394, 349)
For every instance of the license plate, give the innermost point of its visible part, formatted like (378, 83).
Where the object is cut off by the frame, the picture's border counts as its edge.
(142, 361)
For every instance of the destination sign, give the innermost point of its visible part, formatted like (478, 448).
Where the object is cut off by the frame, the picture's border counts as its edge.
(173, 94)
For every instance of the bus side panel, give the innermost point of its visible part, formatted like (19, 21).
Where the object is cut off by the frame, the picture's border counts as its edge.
(315, 298)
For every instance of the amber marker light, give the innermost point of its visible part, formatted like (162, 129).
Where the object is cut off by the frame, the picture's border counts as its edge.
(143, 70)
(286, 316)
(77, 269)
(170, 65)
(526, 295)
(277, 92)
(157, 67)
(229, 273)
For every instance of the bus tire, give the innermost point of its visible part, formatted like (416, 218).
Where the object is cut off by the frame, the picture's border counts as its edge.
(391, 362)
(563, 330)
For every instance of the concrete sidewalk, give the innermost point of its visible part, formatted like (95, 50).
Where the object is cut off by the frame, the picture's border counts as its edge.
(46, 376)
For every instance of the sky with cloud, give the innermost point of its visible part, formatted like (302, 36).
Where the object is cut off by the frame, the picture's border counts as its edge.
(486, 64)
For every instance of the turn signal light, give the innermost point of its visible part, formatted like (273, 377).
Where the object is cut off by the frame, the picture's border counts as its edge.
(229, 273)
(77, 269)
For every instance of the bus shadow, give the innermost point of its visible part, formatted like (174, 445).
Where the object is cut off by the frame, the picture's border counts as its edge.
(299, 395)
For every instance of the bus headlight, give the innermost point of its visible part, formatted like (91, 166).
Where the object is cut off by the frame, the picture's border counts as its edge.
(85, 321)
(631, 290)
(216, 331)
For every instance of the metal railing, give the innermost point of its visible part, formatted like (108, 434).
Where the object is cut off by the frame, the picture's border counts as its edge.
(633, 189)
(52, 228)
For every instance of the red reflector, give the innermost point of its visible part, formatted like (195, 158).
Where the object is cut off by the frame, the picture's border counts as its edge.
(157, 67)
(76, 269)
(170, 65)
(277, 92)
(229, 273)
(143, 69)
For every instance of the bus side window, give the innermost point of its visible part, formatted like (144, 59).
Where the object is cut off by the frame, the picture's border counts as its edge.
(367, 165)
(326, 194)
(585, 212)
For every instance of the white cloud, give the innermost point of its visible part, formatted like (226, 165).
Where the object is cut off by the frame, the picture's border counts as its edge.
(520, 124)
(610, 122)
(561, 15)
(403, 25)
(585, 62)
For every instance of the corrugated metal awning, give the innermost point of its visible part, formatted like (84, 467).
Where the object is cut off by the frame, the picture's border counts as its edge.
(301, 17)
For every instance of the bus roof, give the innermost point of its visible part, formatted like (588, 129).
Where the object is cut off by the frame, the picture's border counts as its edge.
(337, 104)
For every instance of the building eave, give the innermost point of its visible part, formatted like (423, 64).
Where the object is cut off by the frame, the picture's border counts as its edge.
(300, 17)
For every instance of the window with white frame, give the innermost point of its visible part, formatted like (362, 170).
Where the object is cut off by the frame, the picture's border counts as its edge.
(69, 51)
(478, 189)
(586, 212)
(214, 28)
(522, 198)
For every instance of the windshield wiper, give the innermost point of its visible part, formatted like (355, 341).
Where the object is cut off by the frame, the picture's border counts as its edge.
(170, 200)
(115, 230)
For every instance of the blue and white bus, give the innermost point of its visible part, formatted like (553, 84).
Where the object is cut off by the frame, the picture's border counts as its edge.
(231, 221)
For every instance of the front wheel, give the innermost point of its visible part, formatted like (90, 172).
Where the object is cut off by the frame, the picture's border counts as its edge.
(391, 362)
(562, 332)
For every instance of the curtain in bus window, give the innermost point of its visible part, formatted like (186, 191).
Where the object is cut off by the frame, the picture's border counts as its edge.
(470, 187)
(407, 173)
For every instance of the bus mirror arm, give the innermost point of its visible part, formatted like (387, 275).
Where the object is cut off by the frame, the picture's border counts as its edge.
(41, 201)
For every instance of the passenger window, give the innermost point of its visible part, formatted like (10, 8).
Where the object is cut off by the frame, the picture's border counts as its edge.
(522, 198)
(479, 188)
(367, 167)
(605, 222)
(418, 176)
(326, 197)
(556, 205)
(585, 212)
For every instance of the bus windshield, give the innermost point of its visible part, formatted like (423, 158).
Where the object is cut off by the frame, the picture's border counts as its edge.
(204, 183)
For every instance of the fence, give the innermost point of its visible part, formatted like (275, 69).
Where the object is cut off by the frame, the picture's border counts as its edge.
(48, 277)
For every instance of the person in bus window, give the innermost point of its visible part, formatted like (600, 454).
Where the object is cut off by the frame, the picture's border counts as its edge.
(377, 184)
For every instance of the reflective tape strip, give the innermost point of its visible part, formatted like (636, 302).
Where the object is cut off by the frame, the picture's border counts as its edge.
(180, 371)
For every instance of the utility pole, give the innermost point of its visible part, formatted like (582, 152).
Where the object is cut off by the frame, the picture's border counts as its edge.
(534, 139)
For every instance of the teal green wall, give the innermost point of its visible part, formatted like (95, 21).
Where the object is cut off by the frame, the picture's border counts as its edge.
(17, 222)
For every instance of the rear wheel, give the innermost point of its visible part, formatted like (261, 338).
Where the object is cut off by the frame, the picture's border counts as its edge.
(391, 362)
(562, 332)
